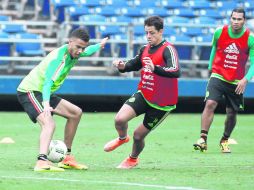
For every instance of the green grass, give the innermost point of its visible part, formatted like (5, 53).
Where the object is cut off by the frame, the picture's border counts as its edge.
(167, 161)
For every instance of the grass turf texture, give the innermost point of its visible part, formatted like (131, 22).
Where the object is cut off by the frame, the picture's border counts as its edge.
(167, 161)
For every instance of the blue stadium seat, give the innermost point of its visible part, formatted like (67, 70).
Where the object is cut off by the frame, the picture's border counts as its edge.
(107, 11)
(171, 4)
(184, 51)
(75, 11)
(204, 20)
(231, 4)
(213, 13)
(138, 30)
(124, 19)
(143, 4)
(169, 31)
(132, 12)
(184, 12)
(5, 48)
(199, 4)
(177, 20)
(91, 3)
(13, 28)
(110, 30)
(92, 18)
(4, 18)
(116, 3)
(205, 51)
(162, 12)
(120, 49)
(59, 6)
(192, 31)
(29, 49)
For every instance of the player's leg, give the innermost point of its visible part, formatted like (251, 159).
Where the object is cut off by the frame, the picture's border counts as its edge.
(214, 93)
(152, 119)
(32, 104)
(133, 107)
(234, 103)
(73, 114)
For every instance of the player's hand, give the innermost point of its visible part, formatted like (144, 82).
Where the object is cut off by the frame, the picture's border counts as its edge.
(103, 42)
(47, 109)
(119, 64)
(149, 63)
(241, 85)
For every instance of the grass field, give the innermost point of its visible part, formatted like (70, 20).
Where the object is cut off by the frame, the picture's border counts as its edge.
(167, 162)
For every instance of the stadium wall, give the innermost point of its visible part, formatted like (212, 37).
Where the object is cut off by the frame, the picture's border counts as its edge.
(106, 94)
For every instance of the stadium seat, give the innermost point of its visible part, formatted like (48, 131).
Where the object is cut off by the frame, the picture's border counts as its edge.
(4, 18)
(213, 13)
(162, 12)
(119, 49)
(73, 12)
(184, 50)
(169, 31)
(59, 6)
(110, 30)
(192, 31)
(133, 12)
(204, 20)
(138, 30)
(107, 11)
(184, 12)
(124, 19)
(204, 50)
(116, 3)
(171, 4)
(199, 4)
(177, 20)
(13, 28)
(29, 48)
(5, 48)
(91, 3)
(92, 19)
(143, 4)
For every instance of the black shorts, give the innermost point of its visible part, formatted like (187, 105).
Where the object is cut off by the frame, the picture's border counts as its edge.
(218, 89)
(32, 103)
(153, 117)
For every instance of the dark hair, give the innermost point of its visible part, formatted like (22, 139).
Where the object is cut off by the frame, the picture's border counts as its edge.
(80, 33)
(239, 10)
(155, 21)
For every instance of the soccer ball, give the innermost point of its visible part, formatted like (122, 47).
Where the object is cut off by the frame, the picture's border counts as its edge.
(57, 151)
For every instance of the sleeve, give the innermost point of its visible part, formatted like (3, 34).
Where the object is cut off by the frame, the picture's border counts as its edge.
(90, 50)
(56, 64)
(171, 70)
(250, 72)
(134, 64)
(216, 36)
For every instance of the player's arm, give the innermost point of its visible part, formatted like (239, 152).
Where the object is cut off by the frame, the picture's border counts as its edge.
(171, 69)
(133, 64)
(56, 64)
(90, 50)
(216, 36)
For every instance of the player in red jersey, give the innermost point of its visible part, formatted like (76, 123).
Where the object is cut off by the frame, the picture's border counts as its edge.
(157, 91)
(232, 45)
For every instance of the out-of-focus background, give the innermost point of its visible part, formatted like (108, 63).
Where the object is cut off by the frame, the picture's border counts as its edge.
(30, 29)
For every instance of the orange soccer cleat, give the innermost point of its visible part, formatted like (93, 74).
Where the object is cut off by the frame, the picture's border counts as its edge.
(70, 163)
(45, 166)
(112, 145)
(128, 163)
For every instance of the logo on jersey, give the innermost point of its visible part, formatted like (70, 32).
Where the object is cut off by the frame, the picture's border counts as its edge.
(232, 48)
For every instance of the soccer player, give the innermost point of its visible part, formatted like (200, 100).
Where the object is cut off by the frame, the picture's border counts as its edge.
(230, 50)
(36, 95)
(157, 93)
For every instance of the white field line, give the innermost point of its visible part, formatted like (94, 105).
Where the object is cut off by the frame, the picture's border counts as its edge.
(104, 182)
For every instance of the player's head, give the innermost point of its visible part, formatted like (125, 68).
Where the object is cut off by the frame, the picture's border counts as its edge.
(78, 41)
(153, 29)
(237, 19)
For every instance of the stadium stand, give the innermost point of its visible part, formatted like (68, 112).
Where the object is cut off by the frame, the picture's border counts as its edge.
(189, 24)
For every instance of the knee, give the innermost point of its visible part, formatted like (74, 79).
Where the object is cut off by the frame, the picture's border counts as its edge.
(49, 125)
(137, 136)
(77, 113)
(119, 120)
(210, 105)
(231, 114)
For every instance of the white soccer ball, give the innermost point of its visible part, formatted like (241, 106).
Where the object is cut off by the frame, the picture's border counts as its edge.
(57, 151)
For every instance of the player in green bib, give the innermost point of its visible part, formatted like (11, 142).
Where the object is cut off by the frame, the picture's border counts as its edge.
(36, 95)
